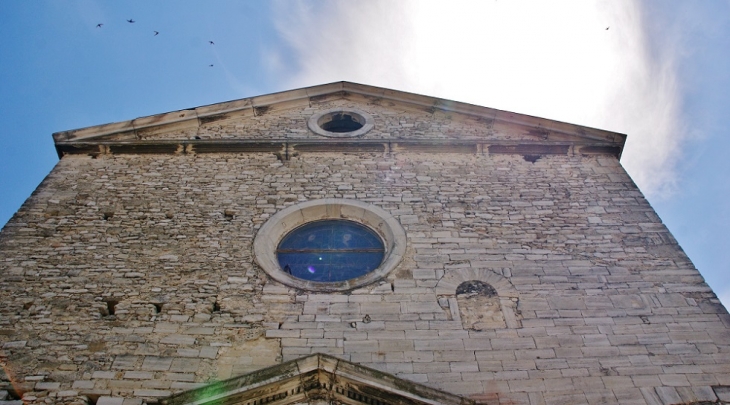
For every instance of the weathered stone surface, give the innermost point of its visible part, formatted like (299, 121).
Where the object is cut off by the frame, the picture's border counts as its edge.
(132, 275)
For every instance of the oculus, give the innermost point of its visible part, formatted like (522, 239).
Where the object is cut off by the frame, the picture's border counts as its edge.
(341, 123)
(330, 245)
(330, 250)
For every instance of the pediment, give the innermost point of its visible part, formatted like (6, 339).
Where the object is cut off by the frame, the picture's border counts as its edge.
(401, 119)
(315, 379)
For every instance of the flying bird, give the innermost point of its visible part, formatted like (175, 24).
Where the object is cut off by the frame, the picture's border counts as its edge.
(99, 25)
(211, 42)
(210, 65)
(607, 28)
(156, 33)
(131, 21)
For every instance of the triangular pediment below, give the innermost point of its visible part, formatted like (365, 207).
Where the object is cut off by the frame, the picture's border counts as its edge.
(316, 379)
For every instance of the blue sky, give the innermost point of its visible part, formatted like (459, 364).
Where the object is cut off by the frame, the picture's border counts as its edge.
(656, 70)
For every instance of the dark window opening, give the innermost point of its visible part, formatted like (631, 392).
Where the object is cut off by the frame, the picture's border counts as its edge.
(330, 251)
(12, 394)
(93, 398)
(110, 306)
(341, 123)
(476, 287)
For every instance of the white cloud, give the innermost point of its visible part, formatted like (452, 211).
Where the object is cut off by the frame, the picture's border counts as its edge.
(550, 59)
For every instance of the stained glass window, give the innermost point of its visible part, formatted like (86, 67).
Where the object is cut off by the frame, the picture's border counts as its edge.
(331, 250)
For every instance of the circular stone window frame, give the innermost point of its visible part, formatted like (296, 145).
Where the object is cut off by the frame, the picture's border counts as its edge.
(321, 117)
(278, 226)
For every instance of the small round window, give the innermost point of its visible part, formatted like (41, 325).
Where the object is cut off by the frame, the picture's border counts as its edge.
(340, 123)
(331, 250)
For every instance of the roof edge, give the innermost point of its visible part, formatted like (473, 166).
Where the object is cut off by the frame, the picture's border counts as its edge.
(195, 115)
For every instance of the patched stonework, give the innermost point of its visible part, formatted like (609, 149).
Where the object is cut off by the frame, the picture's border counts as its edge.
(479, 306)
(482, 298)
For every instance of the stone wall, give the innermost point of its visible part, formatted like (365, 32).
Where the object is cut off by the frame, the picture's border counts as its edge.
(394, 122)
(132, 276)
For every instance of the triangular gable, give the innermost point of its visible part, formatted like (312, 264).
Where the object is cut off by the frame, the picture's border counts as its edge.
(312, 379)
(245, 125)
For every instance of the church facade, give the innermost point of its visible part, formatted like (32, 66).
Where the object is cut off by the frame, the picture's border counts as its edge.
(350, 244)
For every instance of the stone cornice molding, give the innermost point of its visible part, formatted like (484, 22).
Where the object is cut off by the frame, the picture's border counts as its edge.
(286, 148)
(541, 128)
(316, 377)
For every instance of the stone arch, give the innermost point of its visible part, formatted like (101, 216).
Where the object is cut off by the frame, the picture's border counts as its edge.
(493, 293)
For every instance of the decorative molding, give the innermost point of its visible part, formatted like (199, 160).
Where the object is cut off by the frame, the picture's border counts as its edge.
(253, 106)
(286, 148)
(312, 378)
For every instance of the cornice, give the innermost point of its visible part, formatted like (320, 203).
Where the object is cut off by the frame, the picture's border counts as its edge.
(254, 106)
(285, 148)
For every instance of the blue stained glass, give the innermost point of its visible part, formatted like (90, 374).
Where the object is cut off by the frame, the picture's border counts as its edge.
(332, 250)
